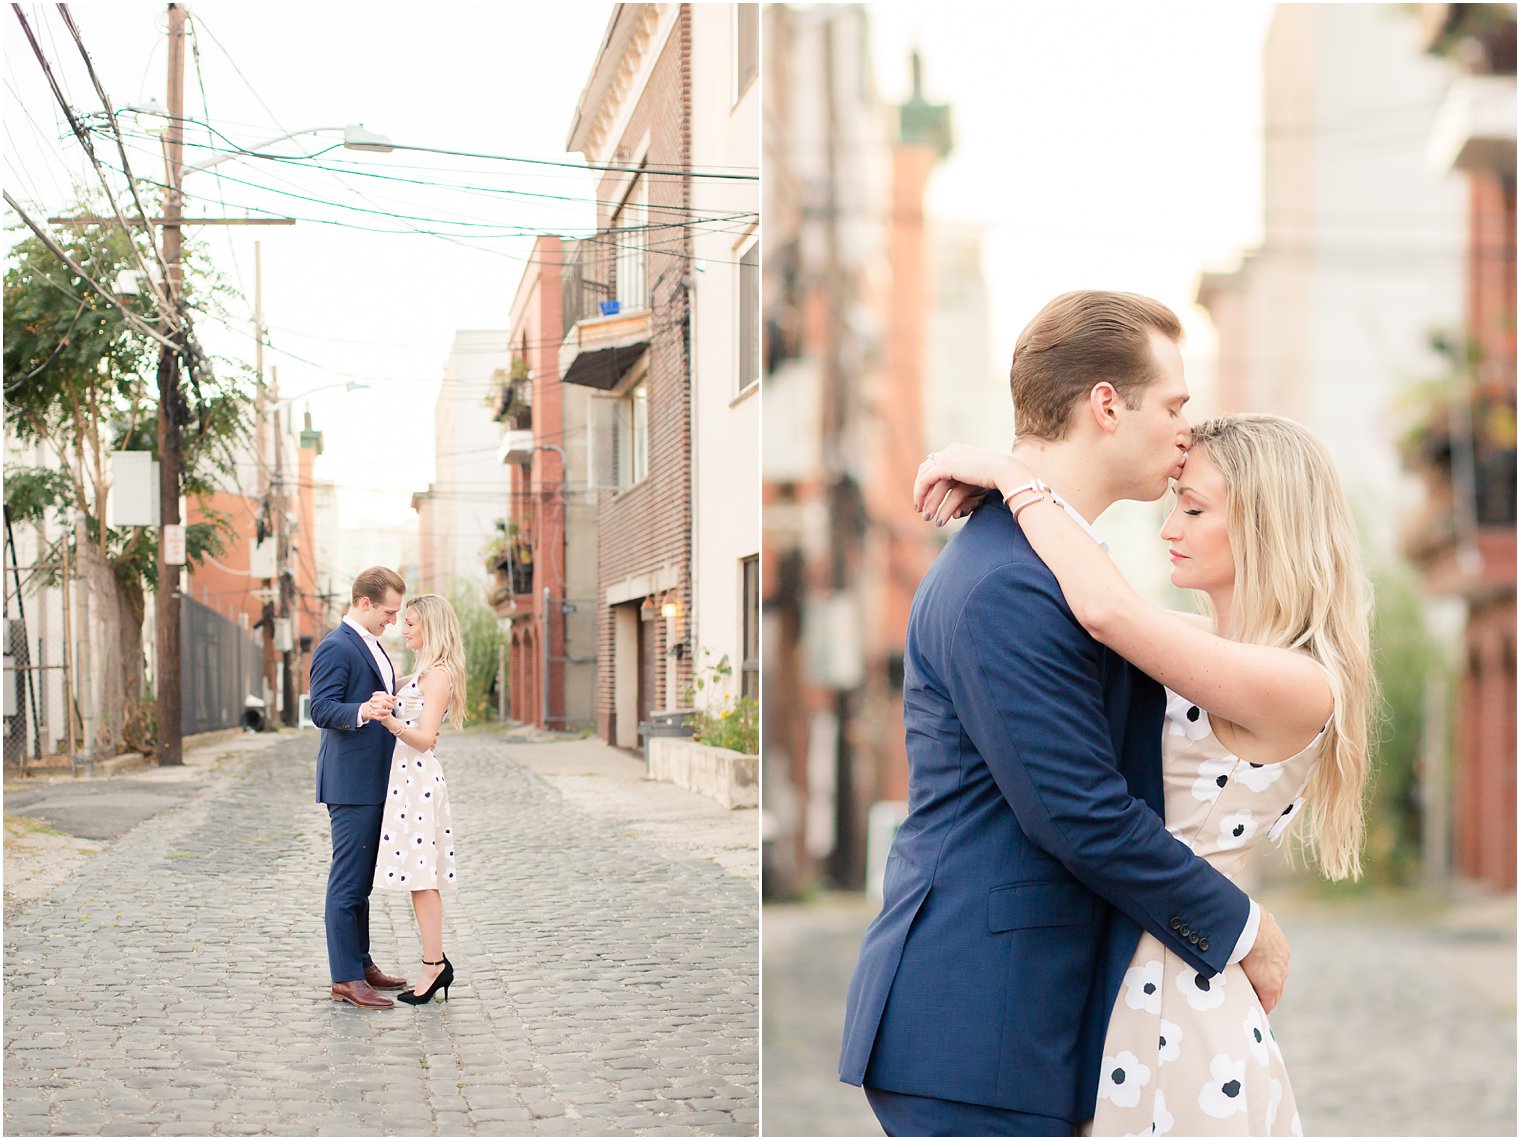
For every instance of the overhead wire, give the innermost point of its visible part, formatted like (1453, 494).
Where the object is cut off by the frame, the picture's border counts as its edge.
(354, 169)
(62, 340)
(519, 232)
(105, 102)
(192, 22)
(79, 271)
(160, 301)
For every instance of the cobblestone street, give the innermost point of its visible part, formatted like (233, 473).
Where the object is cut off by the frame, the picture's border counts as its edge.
(1399, 1018)
(176, 984)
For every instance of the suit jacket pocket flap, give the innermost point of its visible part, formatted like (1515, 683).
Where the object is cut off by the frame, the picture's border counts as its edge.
(1023, 905)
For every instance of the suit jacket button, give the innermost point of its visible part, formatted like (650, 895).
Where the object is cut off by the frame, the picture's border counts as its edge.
(1193, 938)
(1176, 922)
(1184, 930)
(1203, 944)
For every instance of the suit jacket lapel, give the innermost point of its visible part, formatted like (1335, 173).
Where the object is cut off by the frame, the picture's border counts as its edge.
(369, 657)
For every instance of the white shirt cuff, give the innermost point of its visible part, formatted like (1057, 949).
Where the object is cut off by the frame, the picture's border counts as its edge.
(1247, 934)
(360, 724)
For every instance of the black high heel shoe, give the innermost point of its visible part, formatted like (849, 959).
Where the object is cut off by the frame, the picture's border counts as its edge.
(442, 982)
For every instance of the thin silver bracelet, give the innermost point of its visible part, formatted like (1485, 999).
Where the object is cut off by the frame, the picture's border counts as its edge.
(1018, 510)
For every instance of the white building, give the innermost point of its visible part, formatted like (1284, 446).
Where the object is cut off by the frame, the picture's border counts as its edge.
(725, 303)
(1329, 320)
(459, 510)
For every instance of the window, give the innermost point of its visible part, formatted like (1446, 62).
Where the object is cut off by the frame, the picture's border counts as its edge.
(630, 237)
(630, 435)
(746, 47)
(749, 316)
(749, 681)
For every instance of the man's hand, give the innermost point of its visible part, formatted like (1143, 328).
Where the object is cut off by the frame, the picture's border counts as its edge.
(378, 707)
(1267, 963)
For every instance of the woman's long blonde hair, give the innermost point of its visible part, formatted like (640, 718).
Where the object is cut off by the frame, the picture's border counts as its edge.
(1299, 584)
(442, 648)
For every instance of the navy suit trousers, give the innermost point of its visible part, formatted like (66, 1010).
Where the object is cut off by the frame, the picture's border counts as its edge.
(902, 1114)
(355, 837)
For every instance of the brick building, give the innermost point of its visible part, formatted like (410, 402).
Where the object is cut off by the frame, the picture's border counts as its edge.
(544, 559)
(849, 310)
(626, 339)
(1464, 542)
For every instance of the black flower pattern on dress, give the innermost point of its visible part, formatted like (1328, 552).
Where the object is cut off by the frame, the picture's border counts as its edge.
(417, 811)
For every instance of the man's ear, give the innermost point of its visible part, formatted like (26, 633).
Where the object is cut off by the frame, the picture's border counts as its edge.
(1103, 404)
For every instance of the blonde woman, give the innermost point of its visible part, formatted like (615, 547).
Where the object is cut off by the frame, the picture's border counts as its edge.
(416, 850)
(1268, 706)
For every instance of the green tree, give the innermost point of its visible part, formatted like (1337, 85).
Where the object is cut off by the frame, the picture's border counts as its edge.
(81, 381)
(1403, 655)
(483, 640)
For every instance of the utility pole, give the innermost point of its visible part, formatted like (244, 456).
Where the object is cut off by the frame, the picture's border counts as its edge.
(267, 462)
(284, 584)
(169, 399)
(171, 410)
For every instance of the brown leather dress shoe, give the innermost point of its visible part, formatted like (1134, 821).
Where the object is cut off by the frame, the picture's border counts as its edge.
(381, 980)
(361, 994)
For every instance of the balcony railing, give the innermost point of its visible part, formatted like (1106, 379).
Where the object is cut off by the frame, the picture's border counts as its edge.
(586, 282)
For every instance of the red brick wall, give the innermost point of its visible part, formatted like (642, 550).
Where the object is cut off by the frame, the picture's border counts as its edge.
(647, 527)
(223, 587)
(1491, 274)
(537, 501)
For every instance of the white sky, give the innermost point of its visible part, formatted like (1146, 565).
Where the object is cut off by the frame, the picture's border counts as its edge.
(1105, 145)
(1100, 146)
(381, 309)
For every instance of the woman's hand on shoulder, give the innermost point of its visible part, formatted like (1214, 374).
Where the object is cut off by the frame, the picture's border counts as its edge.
(951, 482)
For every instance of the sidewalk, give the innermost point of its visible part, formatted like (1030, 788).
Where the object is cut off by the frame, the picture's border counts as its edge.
(1399, 1018)
(604, 933)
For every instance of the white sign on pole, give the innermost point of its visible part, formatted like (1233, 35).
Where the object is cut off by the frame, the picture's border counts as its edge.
(134, 489)
(261, 560)
(174, 544)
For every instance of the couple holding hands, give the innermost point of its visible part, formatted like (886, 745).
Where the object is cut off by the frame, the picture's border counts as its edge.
(386, 797)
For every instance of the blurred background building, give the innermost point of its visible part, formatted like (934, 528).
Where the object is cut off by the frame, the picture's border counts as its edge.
(1376, 306)
(875, 344)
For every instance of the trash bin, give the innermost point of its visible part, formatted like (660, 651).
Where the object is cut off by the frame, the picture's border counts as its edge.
(663, 722)
(253, 714)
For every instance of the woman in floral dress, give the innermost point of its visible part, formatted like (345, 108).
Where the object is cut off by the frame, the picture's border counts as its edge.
(416, 851)
(1269, 698)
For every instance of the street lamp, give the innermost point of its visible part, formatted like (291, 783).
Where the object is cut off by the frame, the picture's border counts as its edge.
(155, 118)
(347, 386)
(355, 137)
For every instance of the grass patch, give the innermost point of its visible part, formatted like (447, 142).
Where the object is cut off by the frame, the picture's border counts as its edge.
(19, 827)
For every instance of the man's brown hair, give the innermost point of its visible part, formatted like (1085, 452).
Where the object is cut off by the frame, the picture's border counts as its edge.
(375, 583)
(1078, 340)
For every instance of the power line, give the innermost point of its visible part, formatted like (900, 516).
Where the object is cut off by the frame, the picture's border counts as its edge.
(160, 302)
(308, 162)
(517, 233)
(79, 271)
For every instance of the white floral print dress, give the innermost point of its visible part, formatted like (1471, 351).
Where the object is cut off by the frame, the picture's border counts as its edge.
(1187, 1055)
(417, 829)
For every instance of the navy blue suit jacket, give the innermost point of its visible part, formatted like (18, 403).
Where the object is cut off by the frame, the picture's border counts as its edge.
(1033, 851)
(353, 763)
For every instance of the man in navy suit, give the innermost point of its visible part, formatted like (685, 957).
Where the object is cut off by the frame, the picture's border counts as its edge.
(1034, 850)
(352, 688)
